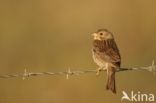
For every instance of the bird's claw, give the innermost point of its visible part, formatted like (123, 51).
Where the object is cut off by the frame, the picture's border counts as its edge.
(98, 71)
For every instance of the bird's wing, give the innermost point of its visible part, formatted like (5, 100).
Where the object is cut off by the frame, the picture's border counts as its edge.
(113, 54)
(110, 52)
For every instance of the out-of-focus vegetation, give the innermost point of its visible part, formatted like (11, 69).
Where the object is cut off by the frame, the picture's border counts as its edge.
(52, 35)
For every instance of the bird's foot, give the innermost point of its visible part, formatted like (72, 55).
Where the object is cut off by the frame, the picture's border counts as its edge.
(98, 71)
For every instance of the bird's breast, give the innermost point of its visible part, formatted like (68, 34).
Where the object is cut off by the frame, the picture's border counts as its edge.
(97, 59)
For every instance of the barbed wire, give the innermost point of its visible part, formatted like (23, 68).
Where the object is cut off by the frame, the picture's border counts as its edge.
(26, 74)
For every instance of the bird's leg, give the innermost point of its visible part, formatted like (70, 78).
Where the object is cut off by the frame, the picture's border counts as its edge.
(105, 67)
(102, 68)
(98, 70)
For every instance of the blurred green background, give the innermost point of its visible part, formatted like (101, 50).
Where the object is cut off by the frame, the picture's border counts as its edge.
(52, 35)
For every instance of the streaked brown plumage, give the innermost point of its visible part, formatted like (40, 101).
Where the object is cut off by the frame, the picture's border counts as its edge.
(106, 55)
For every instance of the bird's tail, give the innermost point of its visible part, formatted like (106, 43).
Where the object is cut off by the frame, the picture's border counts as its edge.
(111, 79)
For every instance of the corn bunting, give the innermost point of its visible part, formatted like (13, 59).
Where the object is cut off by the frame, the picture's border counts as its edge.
(106, 55)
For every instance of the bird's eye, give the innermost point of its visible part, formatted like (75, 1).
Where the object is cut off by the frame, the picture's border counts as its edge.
(101, 33)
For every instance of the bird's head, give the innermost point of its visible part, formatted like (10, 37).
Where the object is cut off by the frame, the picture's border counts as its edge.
(102, 34)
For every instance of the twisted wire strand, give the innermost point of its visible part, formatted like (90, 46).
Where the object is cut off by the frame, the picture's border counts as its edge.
(26, 74)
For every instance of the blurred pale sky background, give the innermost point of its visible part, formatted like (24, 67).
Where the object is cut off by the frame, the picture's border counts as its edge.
(52, 35)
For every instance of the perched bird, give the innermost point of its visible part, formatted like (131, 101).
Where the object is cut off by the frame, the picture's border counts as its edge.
(106, 55)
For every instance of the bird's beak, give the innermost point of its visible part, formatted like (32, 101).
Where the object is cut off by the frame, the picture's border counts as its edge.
(94, 34)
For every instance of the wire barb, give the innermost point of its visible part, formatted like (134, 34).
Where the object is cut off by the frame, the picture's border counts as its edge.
(26, 74)
(68, 73)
